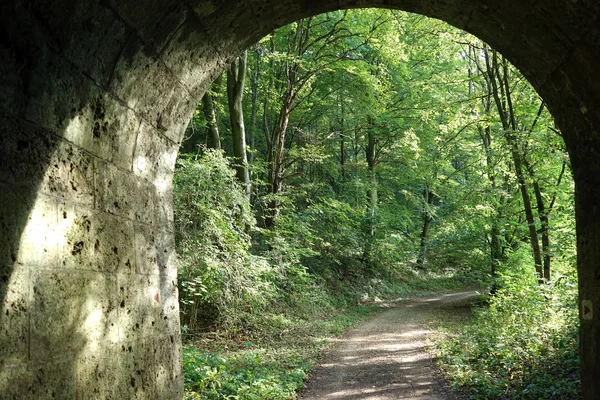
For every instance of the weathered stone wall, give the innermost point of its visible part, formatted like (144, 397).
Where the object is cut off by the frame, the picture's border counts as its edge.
(94, 96)
(91, 122)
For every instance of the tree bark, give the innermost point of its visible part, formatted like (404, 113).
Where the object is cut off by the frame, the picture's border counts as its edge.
(371, 155)
(296, 44)
(342, 142)
(428, 197)
(254, 107)
(236, 76)
(213, 140)
(501, 93)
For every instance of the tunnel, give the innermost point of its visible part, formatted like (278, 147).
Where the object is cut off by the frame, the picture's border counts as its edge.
(94, 99)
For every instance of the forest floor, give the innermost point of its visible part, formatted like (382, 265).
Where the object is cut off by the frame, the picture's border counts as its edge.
(386, 358)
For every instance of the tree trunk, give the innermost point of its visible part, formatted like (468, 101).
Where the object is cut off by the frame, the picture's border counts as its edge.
(535, 245)
(428, 198)
(277, 158)
(501, 93)
(254, 98)
(236, 76)
(371, 155)
(544, 223)
(342, 140)
(496, 248)
(213, 141)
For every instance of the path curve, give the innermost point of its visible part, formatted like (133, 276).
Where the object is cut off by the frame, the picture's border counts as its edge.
(385, 358)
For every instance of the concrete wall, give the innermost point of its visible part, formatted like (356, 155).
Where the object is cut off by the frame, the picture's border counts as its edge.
(94, 96)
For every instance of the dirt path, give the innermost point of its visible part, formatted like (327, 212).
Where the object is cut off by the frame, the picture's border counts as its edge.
(385, 357)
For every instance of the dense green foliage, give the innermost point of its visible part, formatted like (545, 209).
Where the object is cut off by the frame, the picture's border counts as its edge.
(219, 278)
(388, 154)
(522, 345)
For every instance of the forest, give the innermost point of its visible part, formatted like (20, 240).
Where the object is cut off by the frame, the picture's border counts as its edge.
(364, 155)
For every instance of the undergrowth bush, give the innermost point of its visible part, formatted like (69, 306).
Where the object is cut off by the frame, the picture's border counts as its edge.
(523, 345)
(219, 279)
(246, 375)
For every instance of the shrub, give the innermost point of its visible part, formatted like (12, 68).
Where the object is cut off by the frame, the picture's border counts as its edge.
(218, 278)
(522, 346)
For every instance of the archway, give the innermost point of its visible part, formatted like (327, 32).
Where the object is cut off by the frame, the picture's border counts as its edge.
(94, 98)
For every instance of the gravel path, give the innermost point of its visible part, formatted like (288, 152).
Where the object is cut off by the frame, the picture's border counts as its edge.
(385, 358)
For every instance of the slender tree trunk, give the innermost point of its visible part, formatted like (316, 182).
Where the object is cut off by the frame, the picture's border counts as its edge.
(254, 98)
(502, 98)
(213, 140)
(296, 44)
(342, 143)
(485, 134)
(236, 76)
(496, 248)
(277, 159)
(541, 208)
(372, 195)
(544, 222)
(529, 217)
(428, 198)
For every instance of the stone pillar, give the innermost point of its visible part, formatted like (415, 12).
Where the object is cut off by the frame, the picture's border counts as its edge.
(90, 123)
(88, 290)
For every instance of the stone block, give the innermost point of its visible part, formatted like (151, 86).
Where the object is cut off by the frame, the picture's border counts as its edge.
(90, 240)
(70, 174)
(8, 388)
(140, 308)
(169, 367)
(37, 381)
(155, 251)
(35, 157)
(166, 369)
(107, 129)
(170, 311)
(124, 78)
(138, 364)
(581, 68)
(87, 34)
(38, 239)
(155, 155)
(12, 99)
(26, 152)
(569, 21)
(57, 90)
(147, 85)
(234, 29)
(151, 367)
(155, 23)
(16, 204)
(72, 311)
(15, 302)
(176, 115)
(164, 206)
(99, 374)
(191, 55)
(147, 306)
(124, 194)
(531, 44)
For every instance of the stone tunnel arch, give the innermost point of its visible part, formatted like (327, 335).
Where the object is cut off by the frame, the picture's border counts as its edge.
(94, 98)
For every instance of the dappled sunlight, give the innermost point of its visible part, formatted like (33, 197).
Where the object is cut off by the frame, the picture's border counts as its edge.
(386, 358)
(39, 240)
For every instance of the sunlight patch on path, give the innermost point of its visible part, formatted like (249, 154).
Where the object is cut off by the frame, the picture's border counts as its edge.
(386, 358)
